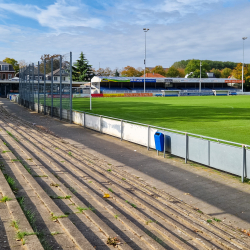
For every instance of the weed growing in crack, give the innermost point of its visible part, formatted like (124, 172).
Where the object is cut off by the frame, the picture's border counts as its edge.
(54, 217)
(32, 220)
(82, 209)
(14, 224)
(12, 136)
(2, 166)
(55, 233)
(131, 204)
(217, 220)
(72, 190)
(5, 151)
(5, 199)
(11, 183)
(110, 190)
(40, 175)
(60, 197)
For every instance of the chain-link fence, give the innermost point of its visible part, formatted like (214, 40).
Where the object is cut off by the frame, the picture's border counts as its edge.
(46, 86)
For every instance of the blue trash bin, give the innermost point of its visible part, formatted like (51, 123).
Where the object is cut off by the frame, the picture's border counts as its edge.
(159, 141)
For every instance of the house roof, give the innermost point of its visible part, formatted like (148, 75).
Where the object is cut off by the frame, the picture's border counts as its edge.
(57, 73)
(154, 75)
(4, 63)
(11, 69)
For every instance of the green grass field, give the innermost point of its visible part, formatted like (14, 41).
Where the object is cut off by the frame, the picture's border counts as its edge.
(222, 117)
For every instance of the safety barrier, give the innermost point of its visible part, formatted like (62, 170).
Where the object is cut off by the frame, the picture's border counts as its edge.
(224, 155)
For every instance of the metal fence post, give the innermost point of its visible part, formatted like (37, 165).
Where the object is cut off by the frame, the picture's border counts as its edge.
(29, 88)
(60, 87)
(32, 92)
(52, 90)
(38, 91)
(121, 128)
(164, 146)
(20, 87)
(148, 136)
(70, 87)
(100, 123)
(186, 155)
(208, 153)
(244, 162)
(44, 88)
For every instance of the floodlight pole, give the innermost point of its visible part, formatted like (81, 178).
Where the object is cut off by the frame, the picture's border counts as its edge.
(145, 30)
(200, 78)
(243, 38)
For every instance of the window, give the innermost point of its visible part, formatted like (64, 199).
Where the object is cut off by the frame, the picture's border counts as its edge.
(63, 71)
(5, 67)
(55, 78)
(9, 76)
(64, 78)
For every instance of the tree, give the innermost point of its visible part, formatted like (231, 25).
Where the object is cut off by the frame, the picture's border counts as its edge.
(173, 72)
(193, 69)
(237, 72)
(181, 64)
(48, 57)
(225, 73)
(13, 62)
(217, 73)
(22, 64)
(82, 71)
(213, 64)
(159, 70)
(131, 71)
(116, 74)
(182, 72)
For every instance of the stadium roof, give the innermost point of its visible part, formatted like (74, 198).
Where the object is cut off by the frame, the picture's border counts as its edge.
(156, 79)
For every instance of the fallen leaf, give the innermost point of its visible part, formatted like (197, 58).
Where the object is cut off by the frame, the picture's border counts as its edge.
(106, 196)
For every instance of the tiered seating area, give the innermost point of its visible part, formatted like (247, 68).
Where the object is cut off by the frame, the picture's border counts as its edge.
(148, 89)
(57, 196)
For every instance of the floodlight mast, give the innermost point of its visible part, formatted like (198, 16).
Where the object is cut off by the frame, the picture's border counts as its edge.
(243, 38)
(145, 30)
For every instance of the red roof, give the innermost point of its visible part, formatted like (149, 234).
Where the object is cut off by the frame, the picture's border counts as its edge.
(153, 75)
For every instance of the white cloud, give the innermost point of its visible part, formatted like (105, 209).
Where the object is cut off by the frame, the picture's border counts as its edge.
(56, 16)
(174, 34)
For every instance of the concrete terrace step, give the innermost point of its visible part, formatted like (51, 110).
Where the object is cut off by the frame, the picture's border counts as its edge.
(142, 217)
(10, 213)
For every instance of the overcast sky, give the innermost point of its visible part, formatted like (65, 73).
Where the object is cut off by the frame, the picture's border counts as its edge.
(111, 31)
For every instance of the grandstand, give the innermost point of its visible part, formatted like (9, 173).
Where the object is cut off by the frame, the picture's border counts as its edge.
(186, 86)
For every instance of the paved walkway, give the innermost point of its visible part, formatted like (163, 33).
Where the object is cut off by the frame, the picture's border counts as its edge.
(218, 194)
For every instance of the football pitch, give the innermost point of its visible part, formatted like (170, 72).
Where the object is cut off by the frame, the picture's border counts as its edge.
(222, 117)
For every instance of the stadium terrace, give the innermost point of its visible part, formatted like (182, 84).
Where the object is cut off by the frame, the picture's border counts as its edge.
(185, 86)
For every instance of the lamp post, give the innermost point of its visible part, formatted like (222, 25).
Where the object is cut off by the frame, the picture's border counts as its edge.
(145, 30)
(243, 38)
(200, 78)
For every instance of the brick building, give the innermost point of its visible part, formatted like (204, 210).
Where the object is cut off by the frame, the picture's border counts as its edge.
(6, 71)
